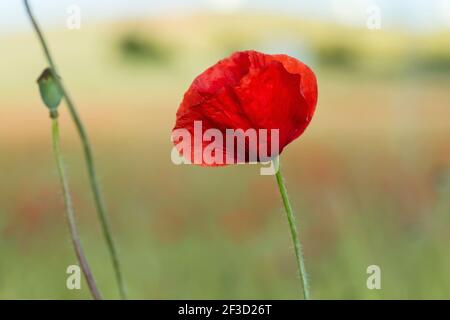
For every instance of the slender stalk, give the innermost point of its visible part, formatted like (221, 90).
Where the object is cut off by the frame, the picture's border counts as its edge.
(71, 213)
(294, 233)
(100, 205)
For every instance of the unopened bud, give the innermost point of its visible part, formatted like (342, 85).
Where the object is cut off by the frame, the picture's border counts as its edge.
(50, 91)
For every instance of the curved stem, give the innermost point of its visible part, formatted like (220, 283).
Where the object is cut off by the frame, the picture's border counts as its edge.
(100, 205)
(294, 233)
(71, 213)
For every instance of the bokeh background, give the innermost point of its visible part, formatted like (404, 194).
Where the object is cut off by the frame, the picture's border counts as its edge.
(369, 179)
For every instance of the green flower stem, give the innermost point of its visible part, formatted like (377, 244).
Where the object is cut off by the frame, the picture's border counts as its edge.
(294, 233)
(100, 205)
(70, 211)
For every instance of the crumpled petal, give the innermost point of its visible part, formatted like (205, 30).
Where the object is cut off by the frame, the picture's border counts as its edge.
(248, 90)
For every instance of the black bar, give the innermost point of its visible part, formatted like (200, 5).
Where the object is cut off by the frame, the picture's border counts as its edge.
(227, 309)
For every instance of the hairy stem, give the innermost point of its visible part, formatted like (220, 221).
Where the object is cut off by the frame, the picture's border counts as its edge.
(294, 233)
(71, 213)
(100, 205)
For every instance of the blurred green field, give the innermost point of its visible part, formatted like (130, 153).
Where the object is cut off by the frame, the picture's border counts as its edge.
(369, 179)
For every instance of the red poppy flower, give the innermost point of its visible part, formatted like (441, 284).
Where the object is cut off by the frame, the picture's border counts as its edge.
(248, 90)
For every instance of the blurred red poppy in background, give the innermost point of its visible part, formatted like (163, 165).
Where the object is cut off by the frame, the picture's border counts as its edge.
(248, 90)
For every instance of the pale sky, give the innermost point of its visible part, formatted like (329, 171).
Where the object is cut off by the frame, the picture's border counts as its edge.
(418, 15)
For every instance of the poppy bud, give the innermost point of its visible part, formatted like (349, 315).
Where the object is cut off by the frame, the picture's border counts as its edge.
(50, 91)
